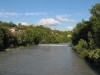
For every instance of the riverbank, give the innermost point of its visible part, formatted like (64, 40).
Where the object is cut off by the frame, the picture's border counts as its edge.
(10, 49)
(16, 48)
(94, 64)
(20, 47)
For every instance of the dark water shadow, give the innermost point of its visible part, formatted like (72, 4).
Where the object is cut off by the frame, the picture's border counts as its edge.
(2, 50)
(95, 68)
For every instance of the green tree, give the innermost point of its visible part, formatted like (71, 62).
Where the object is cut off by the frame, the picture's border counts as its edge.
(91, 41)
(95, 19)
(89, 32)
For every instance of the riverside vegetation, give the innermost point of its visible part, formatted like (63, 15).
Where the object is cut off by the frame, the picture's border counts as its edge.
(86, 37)
(12, 35)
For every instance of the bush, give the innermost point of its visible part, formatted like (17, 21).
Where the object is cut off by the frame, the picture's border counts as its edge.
(82, 45)
(94, 54)
(94, 57)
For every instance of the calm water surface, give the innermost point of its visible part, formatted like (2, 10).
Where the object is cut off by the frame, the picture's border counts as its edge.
(43, 60)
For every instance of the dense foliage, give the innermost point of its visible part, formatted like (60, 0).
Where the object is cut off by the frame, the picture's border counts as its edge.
(86, 37)
(12, 35)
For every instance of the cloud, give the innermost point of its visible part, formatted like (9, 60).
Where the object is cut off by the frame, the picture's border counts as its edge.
(63, 18)
(23, 23)
(32, 14)
(48, 21)
(4, 13)
(7, 14)
(70, 27)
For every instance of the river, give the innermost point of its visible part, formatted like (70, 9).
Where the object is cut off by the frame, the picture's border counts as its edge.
(43, 60)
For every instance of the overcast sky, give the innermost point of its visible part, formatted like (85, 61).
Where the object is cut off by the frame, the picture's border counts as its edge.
(57, 14)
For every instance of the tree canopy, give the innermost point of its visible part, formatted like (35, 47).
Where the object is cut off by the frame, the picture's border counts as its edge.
(12, 35)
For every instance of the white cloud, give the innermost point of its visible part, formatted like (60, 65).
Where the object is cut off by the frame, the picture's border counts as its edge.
(48, 21)
(63, 18)
(70, 27)
(7, 14)
(4, 13)
(32, 14)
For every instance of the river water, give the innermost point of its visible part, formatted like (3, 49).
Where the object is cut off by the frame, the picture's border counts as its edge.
(43, 60)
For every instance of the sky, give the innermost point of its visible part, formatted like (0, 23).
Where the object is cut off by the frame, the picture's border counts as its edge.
(56, 14)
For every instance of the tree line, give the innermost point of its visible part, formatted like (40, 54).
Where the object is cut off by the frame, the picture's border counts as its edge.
(12, 35)
(86, 37)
